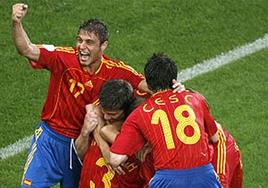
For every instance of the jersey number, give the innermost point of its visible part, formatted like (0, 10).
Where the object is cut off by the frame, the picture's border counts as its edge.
(107, 177)
(75, 84)
(161, 117)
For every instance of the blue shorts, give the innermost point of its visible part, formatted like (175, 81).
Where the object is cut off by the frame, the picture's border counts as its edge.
(201, 177)
(52, 159)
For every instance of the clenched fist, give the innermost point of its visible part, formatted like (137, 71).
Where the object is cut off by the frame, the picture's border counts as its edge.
(19, 11)
(90, 120)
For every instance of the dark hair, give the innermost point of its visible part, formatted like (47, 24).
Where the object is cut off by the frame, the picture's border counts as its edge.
(96, 26)
(116, 95)
(134, 104)
(159, 72)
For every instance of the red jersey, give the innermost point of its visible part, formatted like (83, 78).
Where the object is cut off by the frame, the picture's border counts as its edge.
(176, 125)
(71, 87)
(147, 170)
(95, 173)
(227, 161)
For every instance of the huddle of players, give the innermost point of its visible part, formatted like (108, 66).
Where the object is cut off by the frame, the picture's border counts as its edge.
(176, 126)
(118, 100)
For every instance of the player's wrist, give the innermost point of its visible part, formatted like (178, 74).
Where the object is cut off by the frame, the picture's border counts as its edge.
(85, 133)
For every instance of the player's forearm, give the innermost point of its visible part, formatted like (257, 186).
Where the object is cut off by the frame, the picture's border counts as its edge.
(81, 145)
(103, 145)
(116, 159)
(109, 133)
(90, 122)
(23, 43)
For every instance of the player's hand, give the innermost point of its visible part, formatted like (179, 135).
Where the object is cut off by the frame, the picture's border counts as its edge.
(141, 155)
(19, 11)
(118, 170)
(90, 123)
(90, 108)
(177, 86)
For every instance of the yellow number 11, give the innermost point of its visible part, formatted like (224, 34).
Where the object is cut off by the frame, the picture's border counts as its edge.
(160, 117)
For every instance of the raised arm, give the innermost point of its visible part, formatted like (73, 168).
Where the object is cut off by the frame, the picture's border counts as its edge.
(22, 42)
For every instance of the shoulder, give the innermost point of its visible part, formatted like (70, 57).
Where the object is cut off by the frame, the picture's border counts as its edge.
(116, 64)
(196, 94)
(57, 49)
(67, 50)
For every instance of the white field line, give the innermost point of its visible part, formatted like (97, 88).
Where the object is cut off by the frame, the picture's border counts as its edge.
(15, 148)
(187, 74)
(223, 59)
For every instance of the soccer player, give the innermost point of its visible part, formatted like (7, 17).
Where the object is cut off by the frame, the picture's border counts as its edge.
(176, 125)
(116, 102)
(227, 160)
(76, 77)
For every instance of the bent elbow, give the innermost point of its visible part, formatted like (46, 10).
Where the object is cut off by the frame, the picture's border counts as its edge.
(22, 51)
(31, 52)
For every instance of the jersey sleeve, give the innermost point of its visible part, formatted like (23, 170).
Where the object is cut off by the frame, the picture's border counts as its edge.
(130, 140)
(131, 75)
(47, 58)
(209, 122)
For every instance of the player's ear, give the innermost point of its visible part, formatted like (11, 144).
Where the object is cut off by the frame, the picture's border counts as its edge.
(104, 45)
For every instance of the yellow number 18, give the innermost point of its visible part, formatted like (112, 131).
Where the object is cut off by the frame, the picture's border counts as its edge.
(161, 117)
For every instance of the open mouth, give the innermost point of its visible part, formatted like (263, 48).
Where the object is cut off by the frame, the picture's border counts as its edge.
(84, 56)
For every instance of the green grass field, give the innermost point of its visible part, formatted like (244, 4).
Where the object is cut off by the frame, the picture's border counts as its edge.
(189, 31)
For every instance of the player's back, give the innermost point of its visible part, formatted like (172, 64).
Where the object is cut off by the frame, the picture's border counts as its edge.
(177, 126)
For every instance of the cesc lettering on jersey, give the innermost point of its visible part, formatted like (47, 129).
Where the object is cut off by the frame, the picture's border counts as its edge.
(159, 101)
(171, 99)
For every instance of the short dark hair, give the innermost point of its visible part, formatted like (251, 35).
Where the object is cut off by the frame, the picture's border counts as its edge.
(133, 105)
(96, 26)
(159, 72)
(116, 95)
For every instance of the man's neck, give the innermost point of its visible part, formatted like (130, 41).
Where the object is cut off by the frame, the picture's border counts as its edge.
(160, 91)
(92, 68)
